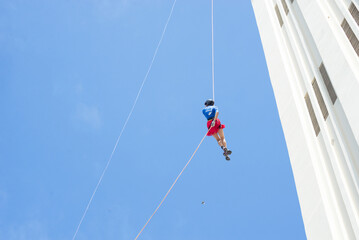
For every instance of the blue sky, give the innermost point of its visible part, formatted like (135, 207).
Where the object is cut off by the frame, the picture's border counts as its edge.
(70, 71)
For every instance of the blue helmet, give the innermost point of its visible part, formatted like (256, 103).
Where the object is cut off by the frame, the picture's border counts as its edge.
(209, 102)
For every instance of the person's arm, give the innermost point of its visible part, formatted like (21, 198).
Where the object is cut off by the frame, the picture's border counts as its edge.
(214, 119)
(216, 116)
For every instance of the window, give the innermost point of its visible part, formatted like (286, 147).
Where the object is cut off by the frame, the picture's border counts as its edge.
(354, 12)
(328, 83)
(285, 6)
(351, 36)
(312, 114)
(320, 99)
(278, 15)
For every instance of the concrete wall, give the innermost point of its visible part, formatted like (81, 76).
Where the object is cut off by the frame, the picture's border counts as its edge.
(326, 163)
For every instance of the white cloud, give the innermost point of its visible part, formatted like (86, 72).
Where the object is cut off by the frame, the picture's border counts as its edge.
(88, 115)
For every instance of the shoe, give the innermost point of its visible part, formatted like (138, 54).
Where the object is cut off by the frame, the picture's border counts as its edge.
(227, 152)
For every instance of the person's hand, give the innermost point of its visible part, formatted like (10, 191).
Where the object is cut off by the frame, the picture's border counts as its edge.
(213, 123)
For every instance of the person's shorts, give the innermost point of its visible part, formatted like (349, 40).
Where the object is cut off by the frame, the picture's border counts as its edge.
(216, 127)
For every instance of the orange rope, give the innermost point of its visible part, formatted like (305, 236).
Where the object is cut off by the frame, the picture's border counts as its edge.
(172, 186)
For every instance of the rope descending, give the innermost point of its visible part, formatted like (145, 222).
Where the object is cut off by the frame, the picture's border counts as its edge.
(212, 52)
(179, 175)
(128, 118)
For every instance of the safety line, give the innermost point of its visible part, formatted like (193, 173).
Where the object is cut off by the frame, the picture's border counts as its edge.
(179, 175)
(128, 117)
(212, 52)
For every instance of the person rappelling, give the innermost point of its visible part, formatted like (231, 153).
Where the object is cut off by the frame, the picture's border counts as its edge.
(215, 128)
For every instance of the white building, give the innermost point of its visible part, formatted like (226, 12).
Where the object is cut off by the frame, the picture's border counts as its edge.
(312, 53)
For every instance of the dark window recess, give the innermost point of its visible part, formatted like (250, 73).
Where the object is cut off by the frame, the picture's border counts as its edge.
(278, 15)
(320, 99)
(285, 6)
(312, 114)
(351, 36)
(354, 12)
(328, 83)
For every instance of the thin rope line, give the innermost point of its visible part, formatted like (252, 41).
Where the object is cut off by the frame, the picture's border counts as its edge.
(212, 52)
(128, 117)
(179, 175)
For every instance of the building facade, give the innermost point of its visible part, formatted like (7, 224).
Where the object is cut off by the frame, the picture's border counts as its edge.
(312, 53)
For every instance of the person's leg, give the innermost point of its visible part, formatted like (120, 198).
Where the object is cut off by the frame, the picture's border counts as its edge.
(219, 140)
(221, 135)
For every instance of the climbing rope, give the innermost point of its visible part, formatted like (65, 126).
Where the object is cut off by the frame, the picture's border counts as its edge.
(179, 175)
(128, 117)
(212, 52)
